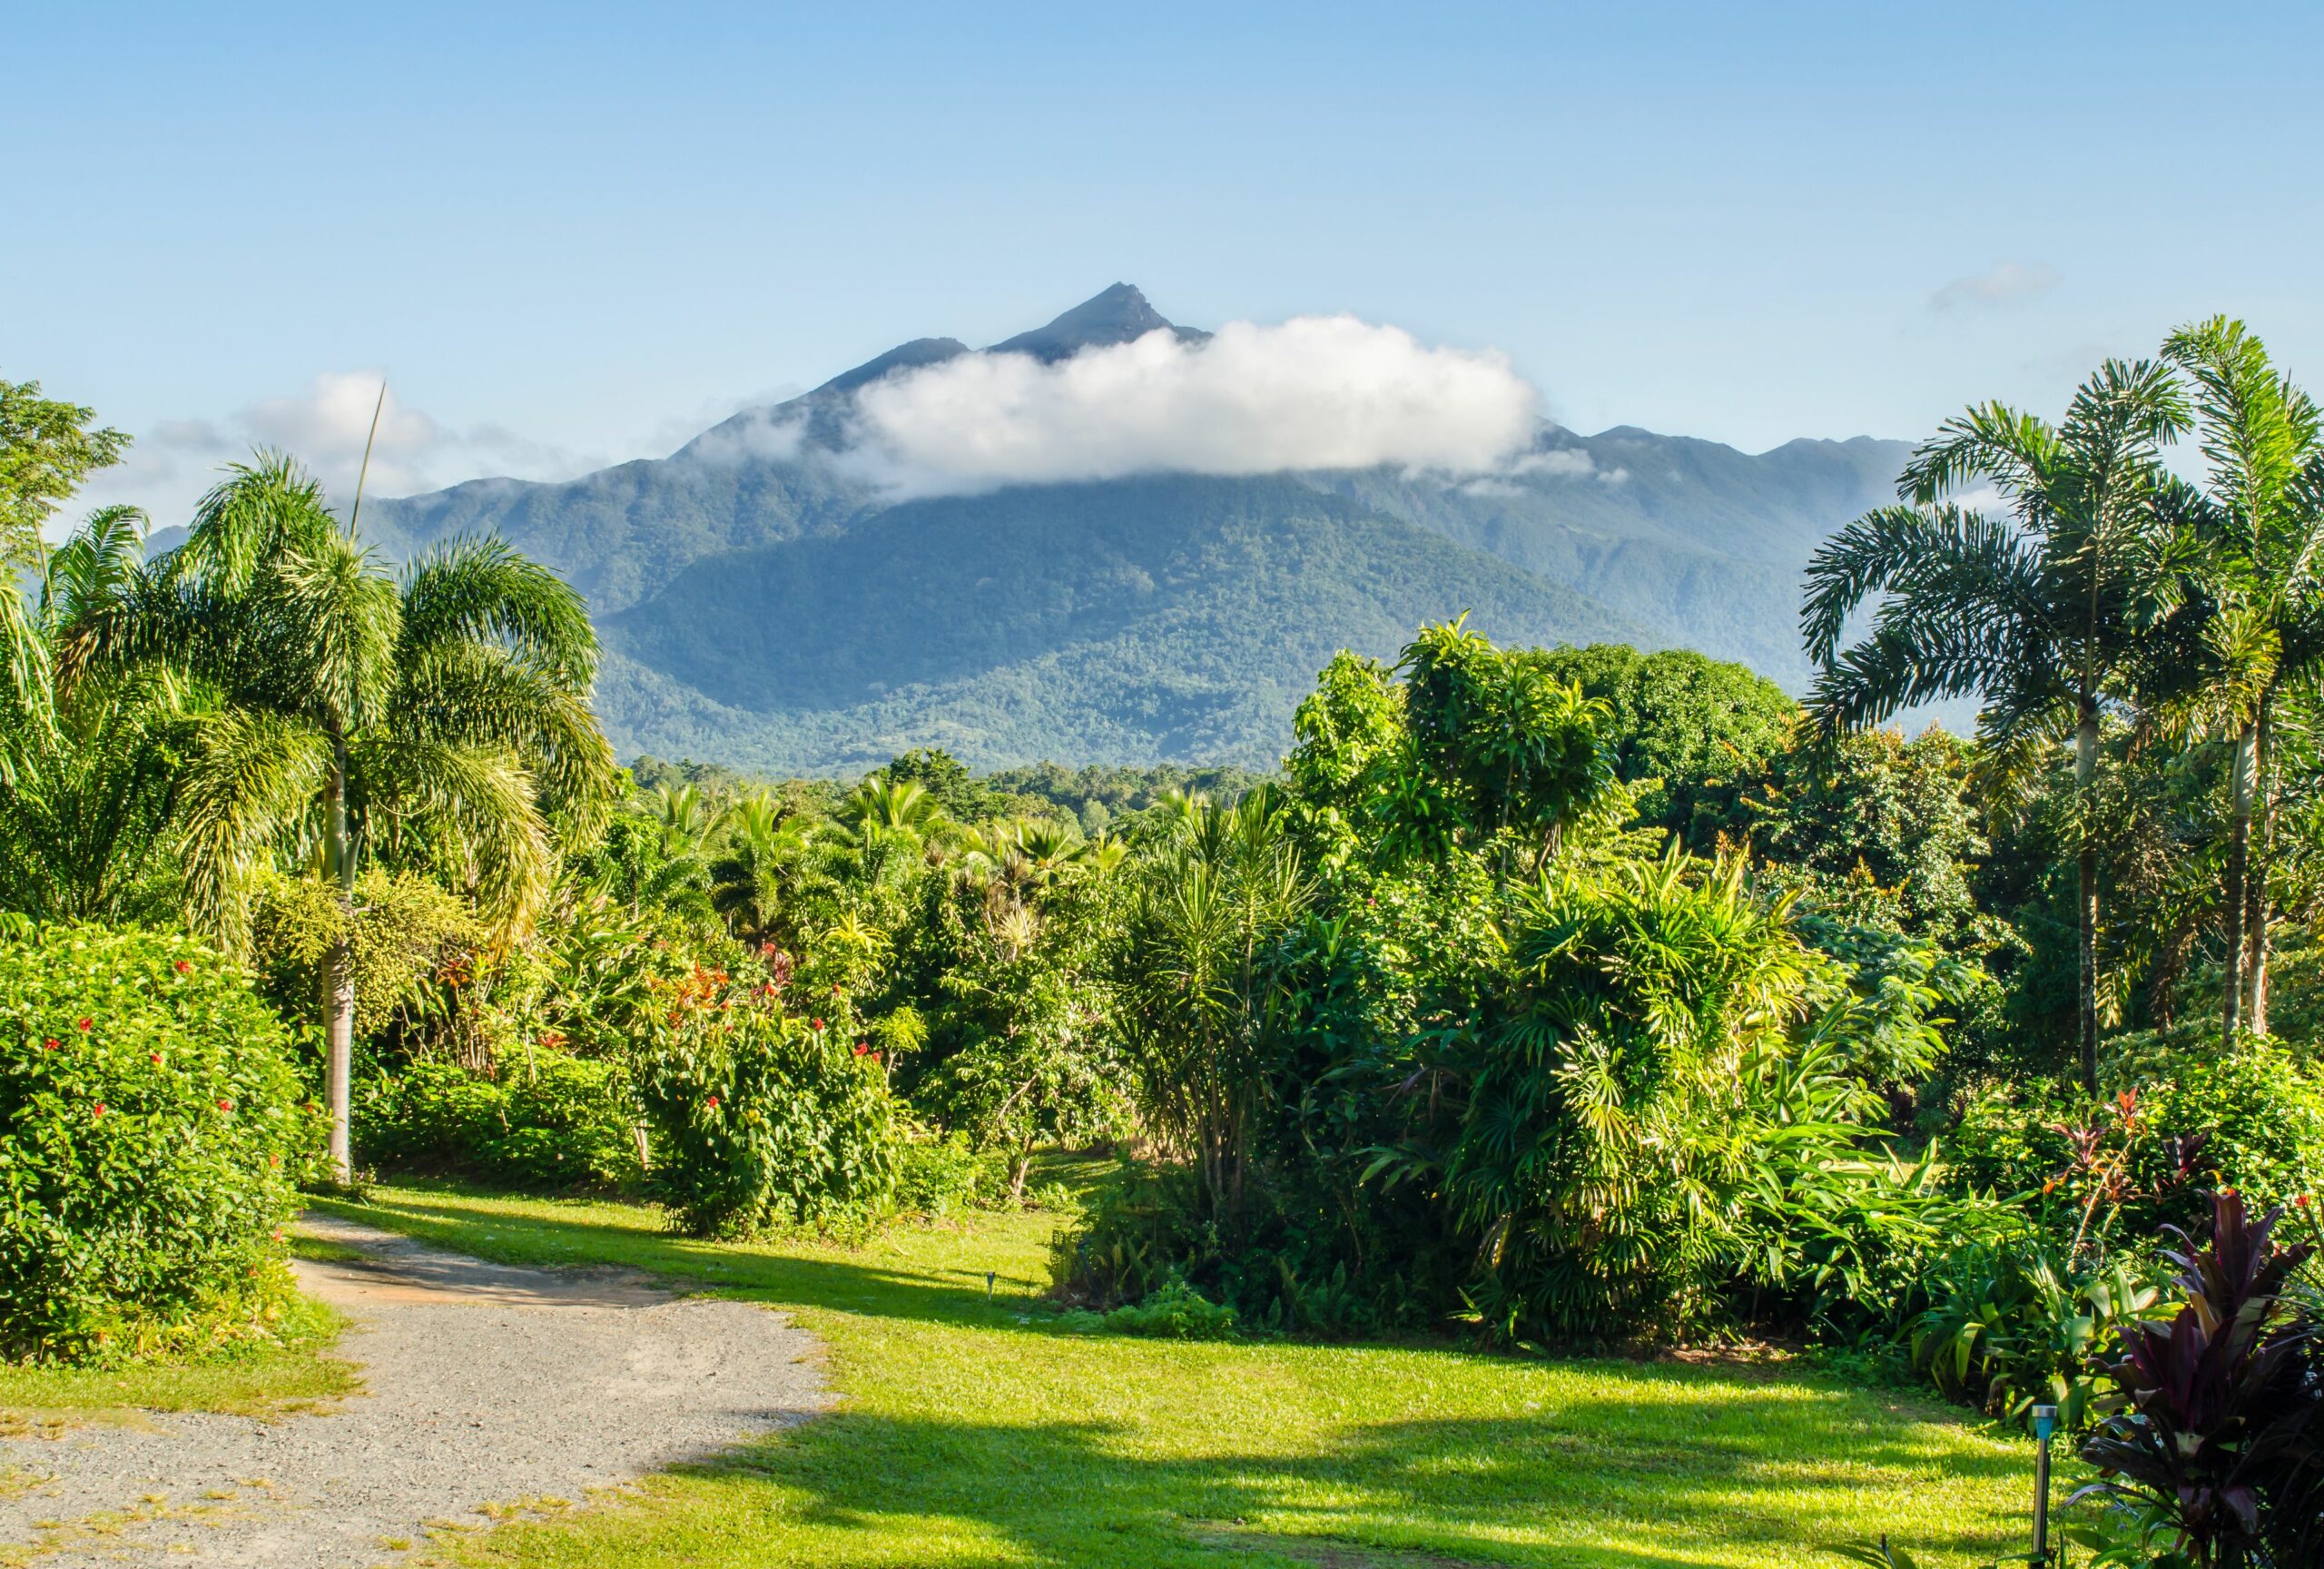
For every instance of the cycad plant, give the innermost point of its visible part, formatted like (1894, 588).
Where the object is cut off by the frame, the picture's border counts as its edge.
(437, 719)
(2038, 612)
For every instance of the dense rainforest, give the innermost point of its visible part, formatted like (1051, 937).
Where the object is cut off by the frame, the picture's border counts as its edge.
(1540, 997)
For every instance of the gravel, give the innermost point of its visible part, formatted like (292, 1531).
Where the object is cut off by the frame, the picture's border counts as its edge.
(485, 1386)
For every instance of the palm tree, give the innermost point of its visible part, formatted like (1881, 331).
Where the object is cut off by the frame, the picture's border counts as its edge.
(2255, 618)
(759, 881)
(439, 719)
(2036, 614)
(883, 823)
(85, 777)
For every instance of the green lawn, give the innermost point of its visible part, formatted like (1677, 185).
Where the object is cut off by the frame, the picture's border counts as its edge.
(976, 1434)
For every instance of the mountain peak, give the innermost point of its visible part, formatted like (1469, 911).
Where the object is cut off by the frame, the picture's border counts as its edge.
(1120, 314)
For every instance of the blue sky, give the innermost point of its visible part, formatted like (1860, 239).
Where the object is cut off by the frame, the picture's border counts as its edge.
(572, 234)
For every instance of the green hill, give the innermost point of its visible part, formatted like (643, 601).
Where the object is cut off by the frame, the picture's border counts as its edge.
(1134, 620)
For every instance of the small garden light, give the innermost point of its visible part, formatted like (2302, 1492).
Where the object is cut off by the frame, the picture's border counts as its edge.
(2046, 1426)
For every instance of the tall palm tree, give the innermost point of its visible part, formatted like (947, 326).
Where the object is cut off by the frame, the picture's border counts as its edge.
(440, 718)
(2255, 620)
(2037, 613)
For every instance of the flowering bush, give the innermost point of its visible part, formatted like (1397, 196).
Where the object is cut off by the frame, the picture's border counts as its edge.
(150, 1125)
(763, 1116)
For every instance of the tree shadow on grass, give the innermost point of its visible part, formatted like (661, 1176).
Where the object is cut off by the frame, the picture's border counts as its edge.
(1582, 1489)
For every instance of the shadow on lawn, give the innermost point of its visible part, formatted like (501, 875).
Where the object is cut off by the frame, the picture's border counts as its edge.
(1625, 1481)
(1415, 1495)
(835, 1278)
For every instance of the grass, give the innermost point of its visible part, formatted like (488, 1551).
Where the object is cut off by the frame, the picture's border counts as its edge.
(259, 1381)
(978, 1433)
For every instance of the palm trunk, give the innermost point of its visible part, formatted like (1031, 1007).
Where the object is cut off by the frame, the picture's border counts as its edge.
(2255, 889)
(2085, 768)
(338, 971)
(2239, 876)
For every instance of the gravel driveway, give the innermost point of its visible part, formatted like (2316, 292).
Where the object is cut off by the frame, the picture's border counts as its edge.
(485, 1386)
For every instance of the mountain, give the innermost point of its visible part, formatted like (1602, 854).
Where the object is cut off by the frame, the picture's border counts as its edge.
(765, 602)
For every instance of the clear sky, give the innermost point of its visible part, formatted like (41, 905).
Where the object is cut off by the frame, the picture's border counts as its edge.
(575, 234)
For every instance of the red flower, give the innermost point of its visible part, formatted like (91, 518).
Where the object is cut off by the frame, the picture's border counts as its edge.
(83, 1025)
(225, 1105)
(2301, 1201)
(861, 1048)
(713, 1103)
(875, 1056)
(48, 1046)
(100, 1107)
(157, 1059)
(815, 1024)
(181, 966)
(274, 1161)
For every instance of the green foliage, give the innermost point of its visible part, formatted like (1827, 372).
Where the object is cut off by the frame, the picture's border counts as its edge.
(2252, 1119)
(550, 1122)
(1685, 728)
(150, 1125)
(403, 933)
(1173, 1311)
(47, 449)
(764, 1118)
(2015, 1323)
(940, 1176)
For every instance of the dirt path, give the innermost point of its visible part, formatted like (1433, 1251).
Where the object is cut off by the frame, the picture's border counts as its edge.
(485, 1386)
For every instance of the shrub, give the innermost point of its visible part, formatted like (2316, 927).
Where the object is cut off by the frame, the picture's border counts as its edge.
(150, 1126)
(943, 1176)
(762, 1118)
(2251, 1120)
(1175, 1312)
(548, 1123)
(2216, 1436)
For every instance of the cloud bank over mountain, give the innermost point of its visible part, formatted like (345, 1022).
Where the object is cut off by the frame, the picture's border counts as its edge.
(1315, 392)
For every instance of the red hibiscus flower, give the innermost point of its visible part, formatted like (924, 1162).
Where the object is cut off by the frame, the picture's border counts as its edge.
(101, 1108)
(181, 966)
(225, 1105)
(83, 1025)
(815, 1024)
(157, 1059)
(49, 1046)
(713, 1103)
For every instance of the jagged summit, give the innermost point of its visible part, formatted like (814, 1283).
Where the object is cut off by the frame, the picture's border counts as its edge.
(1120, 314)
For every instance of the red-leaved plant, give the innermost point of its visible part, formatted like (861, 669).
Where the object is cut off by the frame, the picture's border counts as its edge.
(2222, 1415)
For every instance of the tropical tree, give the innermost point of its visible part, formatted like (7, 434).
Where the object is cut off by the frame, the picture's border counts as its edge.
(1199, 982)
(438, 720)
(883, 826)
(2254, 620)
(47, 449)
(2037, 613)
(767, 869)
(86, 777)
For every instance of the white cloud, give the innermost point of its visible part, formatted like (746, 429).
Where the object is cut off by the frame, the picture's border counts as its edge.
(1570, 462)
(2003, 283)
(324, 426)
(1315, 392)
(755, 435)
